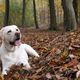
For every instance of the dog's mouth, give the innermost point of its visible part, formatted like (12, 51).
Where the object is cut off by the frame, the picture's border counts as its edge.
(15, 42)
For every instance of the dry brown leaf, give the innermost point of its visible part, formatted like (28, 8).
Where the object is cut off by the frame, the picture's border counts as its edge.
(64, 54)
(72, 63)
(52, 63)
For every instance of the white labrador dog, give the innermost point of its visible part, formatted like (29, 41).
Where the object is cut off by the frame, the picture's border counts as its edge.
(12, 51)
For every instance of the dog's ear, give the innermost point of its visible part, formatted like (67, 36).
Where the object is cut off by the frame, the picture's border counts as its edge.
(1, 32)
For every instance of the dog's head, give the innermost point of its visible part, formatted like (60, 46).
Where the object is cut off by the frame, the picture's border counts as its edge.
(11, 35)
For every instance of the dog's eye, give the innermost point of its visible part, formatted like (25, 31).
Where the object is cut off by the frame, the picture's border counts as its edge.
(16, 29)
(9, 31)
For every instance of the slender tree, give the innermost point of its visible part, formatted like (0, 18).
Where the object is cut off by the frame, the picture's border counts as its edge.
(23, 12)
(6, 18)
(75, 6)
(53, 23)
(35, 14)
(69, 15)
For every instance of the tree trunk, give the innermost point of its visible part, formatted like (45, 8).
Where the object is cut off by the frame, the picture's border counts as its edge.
(69, 15)
(6, 18)
(75, 6)
(53, 23)
(23, 12)
(35, 15)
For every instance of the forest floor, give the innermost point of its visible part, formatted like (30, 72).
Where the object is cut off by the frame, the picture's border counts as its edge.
(59, 56)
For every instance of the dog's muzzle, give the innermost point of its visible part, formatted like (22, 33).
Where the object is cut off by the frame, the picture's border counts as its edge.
(17, 40)
(17, 35)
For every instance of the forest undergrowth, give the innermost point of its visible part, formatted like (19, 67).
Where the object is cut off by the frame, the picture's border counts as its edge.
(59, 56)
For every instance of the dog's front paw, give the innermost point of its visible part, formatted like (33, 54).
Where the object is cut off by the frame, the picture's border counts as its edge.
(37, 55)
(27, 68)
(4, 73)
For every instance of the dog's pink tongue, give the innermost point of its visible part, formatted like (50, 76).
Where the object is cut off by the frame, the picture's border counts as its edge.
(18, 42)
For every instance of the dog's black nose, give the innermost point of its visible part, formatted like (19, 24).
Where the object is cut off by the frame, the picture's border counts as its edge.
(17, 36)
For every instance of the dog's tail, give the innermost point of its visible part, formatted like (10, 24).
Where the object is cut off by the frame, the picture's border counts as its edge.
(30, 50)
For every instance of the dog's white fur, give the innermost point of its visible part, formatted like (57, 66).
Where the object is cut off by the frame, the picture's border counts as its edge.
(13, 54)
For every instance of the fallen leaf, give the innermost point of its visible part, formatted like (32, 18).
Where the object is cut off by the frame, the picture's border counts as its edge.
(48, 75)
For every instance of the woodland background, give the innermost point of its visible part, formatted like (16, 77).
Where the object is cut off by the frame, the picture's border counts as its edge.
(52, 28)
(39, 13)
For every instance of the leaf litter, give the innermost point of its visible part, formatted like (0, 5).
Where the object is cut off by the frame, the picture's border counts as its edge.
(59, 56)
